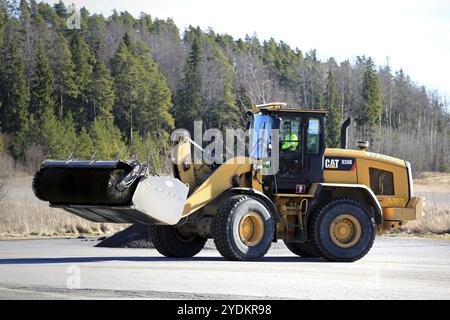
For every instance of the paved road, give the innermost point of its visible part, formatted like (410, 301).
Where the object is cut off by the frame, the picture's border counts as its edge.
(49, 269)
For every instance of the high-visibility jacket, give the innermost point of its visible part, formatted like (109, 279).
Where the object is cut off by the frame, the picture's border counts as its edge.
(291, 142)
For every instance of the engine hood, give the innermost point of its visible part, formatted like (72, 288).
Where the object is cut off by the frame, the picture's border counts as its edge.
(365, 155)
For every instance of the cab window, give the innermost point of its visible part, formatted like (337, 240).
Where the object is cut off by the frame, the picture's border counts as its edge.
(381, 182)
(290, 134)
(313, 145)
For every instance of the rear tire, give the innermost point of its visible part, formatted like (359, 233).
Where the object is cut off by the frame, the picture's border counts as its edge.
(243, 229)
(305, 250)
(343, 231)
(170, 243)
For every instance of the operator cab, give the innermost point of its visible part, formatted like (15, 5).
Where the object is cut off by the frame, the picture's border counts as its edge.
(300, 145)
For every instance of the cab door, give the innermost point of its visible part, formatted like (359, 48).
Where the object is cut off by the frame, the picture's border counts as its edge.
(301, 145)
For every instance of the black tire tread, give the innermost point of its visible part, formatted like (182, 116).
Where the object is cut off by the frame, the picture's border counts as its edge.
(158, 240)
(314, 236)
(305, 250)
(220, 228)
(159, 236)
(221, 220)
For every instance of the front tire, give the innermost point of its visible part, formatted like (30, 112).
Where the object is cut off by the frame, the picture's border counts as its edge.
(173, 244)
(343, 231)
(243, 229)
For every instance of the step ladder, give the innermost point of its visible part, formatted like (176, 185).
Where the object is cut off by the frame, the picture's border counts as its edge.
(298, 225)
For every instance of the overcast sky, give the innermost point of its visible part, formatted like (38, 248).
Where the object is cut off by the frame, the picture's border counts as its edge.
(414, 34)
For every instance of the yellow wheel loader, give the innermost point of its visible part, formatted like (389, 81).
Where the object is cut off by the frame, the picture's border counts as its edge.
(321, 202)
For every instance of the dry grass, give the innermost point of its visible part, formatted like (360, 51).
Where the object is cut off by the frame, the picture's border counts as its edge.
(22, 215)
(19, 219)
(434, 224)
(432, 182)
(436, 188)
(3, 190)
(435, 220)
(433, 177)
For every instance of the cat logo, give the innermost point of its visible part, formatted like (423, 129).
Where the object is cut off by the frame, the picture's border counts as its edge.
(331, 164)
(340, 164)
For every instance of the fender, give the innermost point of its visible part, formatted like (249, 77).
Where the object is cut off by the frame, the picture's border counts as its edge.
(262, 196)
(367, 193)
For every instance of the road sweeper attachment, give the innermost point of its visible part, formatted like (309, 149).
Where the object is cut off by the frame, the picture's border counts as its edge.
(111, 191)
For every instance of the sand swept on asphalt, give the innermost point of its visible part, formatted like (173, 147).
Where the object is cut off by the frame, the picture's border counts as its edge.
(394, 269)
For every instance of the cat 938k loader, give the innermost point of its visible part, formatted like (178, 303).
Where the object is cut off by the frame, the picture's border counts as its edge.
(321, 202)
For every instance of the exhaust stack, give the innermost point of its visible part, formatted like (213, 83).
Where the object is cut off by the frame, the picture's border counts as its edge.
(344, 133)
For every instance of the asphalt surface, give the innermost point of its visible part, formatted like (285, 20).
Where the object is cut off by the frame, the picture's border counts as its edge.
(396, 268)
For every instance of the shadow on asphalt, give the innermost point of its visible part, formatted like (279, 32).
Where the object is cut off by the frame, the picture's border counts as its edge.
(26, 261)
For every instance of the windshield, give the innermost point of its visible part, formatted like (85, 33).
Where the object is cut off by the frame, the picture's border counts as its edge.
(260, 131)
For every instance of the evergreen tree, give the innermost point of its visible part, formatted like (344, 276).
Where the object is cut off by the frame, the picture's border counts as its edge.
(97, 36)
(137, 147)
(60, 9)
(85, 145)
(148, 150)
(41, 85)
(3, 21)
(68, 137)
(127, 85)
(243, 100)
(24, 137)
(283, 60)
(369, 115)
(107, 139)
(319, 101)
(190, 100)
(128, 41)
(66, 88)
(84, 61)
(101, 93)
(225, 114)
(153, 113)
(57, 137)
(146, 22)
(334, 120)
(25, 17)
(49, 133)
(13, 88)
(311, 81)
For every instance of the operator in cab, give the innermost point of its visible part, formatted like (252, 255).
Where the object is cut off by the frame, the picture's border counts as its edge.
(290, 142)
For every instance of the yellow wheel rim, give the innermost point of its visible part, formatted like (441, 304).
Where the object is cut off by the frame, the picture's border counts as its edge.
(251, 229)
(345, 231)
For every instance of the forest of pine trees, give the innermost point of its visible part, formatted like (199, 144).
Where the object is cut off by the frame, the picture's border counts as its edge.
(120, 85)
